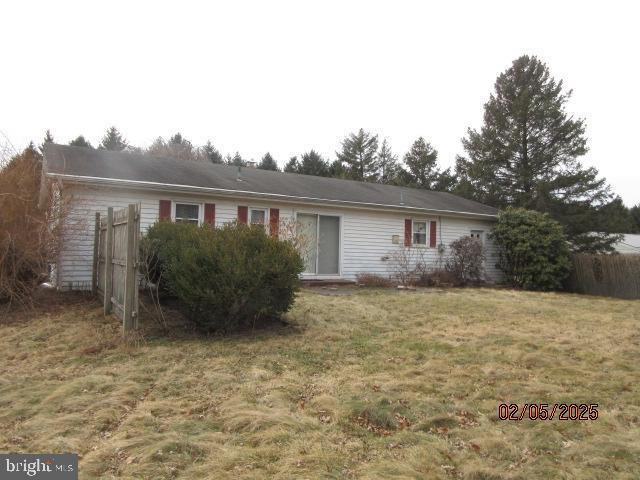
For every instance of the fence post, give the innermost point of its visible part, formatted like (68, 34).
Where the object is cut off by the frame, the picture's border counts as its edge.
(108, 263)
(136, 291)
(130, 270)
(96, 254)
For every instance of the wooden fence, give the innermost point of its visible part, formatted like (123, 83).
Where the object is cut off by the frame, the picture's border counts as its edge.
(115, 263)
(609, 275)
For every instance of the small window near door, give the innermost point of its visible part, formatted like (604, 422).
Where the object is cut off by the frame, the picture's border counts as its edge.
(258, 216)
(479, 234)
(187, 213)
(419, 233)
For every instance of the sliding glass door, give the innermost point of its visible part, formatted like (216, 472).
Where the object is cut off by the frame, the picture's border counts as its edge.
(320, 236)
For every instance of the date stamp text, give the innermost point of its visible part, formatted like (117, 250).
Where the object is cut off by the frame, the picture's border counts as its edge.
(545, 411)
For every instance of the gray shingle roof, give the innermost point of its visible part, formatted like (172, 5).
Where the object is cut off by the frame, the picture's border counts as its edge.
(86, 162)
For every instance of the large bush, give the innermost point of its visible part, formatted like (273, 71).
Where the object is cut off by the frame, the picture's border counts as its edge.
(30, 216)
(466, 262)
(225, 278)
(533, 249)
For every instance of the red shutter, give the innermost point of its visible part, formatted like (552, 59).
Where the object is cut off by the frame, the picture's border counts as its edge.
(432, 235)
(274, 221)
(210, 213)
(243, 214)
(407, 232)
(165, 210)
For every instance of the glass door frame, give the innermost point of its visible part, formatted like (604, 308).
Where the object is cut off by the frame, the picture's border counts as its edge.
(327, 276)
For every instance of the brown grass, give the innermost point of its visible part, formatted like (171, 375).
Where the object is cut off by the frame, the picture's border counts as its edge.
(370, 385)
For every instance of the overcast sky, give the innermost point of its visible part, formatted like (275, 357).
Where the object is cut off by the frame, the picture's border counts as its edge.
(286, 77)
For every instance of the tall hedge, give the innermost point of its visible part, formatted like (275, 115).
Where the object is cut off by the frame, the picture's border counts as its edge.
(533, 249)
(226, 278)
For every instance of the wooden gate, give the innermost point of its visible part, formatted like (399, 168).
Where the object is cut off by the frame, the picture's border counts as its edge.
(115, 263)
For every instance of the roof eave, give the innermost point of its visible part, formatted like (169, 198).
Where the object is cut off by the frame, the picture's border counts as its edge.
(249, 194)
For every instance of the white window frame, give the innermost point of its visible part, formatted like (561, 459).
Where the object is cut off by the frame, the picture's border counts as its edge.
(178, 202)
(266, 216)
(427, 226)
(325, 276)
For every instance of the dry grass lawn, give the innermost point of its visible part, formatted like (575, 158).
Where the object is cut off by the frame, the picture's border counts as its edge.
(378, 384)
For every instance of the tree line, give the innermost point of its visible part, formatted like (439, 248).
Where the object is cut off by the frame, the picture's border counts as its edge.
(526, 154)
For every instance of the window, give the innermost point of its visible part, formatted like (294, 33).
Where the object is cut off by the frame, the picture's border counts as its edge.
(258, 216)
(419, 233)
(187, 213)
(479, 234)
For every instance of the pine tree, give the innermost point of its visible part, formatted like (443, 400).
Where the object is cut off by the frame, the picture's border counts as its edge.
(48, 138)
(211, 153)
(292, 166)
(268, 163)
(526, 154)
(422, 164)
(113, 140)
(337, 170)
(80, 141)
(635, 215)
(313, 164)
(616, 217)
(236, 160)
(359, 154)
(390, 170)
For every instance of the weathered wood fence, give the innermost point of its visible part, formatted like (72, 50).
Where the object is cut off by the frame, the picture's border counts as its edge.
(115, 263)
(610, 275)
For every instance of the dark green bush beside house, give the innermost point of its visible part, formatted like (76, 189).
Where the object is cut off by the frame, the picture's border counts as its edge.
(225, 278)
(533, 249)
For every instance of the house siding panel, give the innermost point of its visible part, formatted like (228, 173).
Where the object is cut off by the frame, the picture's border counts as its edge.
(366, 236)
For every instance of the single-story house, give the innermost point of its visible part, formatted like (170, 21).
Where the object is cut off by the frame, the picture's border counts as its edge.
(352, 227)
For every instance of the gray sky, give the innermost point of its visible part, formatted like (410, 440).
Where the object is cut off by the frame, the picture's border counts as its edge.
(286, 77)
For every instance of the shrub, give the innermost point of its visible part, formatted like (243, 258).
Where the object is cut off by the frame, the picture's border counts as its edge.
(406, 264)
(30, 215)
(373, 280)
(466, 262)
(438, 277)
(533, 249)
(226, 278)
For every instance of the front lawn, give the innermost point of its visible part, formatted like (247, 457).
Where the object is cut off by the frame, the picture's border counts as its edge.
(371, 385)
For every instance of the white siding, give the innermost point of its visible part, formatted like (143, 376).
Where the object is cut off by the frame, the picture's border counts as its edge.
(366, 235)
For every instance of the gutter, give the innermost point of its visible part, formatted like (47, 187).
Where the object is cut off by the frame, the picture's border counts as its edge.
(249, 194)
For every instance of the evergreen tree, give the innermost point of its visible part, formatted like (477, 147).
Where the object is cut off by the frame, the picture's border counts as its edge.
(337, 170)
(526, 154)
(80, 141)
(313, 164)
(390, 170)
(616, 217)
(292, 166)
(236, 160)
(181, 148)
(211, 153)
(447, 181)
(113, 140)
(268, 163)
(48, 138)
(359, 154)
(635, 216)
(422, 163)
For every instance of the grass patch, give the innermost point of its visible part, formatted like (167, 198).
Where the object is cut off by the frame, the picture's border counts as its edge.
(376, 384)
